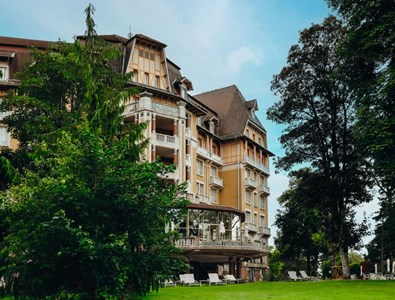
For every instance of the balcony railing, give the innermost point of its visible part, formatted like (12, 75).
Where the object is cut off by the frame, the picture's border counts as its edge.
(209, 155)
(164, 140)
(264, 230)
(216, 182)
(156, 107)
(219, 244)
(256, 164)
(250, 183)
(252, 227)
(203, 199)
(264, 189)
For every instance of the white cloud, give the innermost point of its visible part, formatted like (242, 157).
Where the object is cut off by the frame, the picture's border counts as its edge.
(241, 56)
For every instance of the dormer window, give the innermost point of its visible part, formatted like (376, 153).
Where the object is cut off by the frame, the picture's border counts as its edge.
(184, 92)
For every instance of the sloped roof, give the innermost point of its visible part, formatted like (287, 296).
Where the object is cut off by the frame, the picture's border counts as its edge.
(5, 40)
(233, 110)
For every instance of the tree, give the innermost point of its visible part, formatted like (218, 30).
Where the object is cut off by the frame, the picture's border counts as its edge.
(318, 108)
(369, 49)
(86, 219)
(301, 236)
(91, 221)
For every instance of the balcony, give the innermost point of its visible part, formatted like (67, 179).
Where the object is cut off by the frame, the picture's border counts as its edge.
(164, 140)
(216, 182)
(264, 230)
(203, 199)
(252, 227)
(250, 183)
(264, 189)
(196, 243)
(167, 110)
(256, 164)
(209, 155)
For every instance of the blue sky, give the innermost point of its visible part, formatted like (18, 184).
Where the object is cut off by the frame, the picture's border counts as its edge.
(215, 42)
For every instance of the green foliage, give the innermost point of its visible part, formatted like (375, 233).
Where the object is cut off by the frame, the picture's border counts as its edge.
(369, 49)
(90, 222)
(302, 224)
(318, 109)
(275, 264)
(85, 219)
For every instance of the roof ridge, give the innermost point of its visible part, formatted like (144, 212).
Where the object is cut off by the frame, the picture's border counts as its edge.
(218, 89)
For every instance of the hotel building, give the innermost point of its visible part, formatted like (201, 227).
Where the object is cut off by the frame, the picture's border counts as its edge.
(216, 141)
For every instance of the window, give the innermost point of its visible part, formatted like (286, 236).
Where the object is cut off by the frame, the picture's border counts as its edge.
(4, 136)
(214, 195)
(248, 216)
(201, 143)
(141, 52)
(248, 197)
(152, 56)
(262, 221)
(247, 173)
(184, 92)
(255, 200)
(199, 167)
(214, 171)
(134, 75)
(262, 202)
(200, 188)
(157, 81)
(3, 73)
(255, 218)
(146, 78)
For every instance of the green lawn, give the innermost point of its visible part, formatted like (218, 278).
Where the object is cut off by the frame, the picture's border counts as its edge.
(329, 289)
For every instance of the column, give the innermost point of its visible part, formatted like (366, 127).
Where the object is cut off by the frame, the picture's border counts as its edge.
(153, 156)
(153, 126)
(175, 128)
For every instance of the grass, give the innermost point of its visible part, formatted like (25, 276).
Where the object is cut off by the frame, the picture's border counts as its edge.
(328, 289)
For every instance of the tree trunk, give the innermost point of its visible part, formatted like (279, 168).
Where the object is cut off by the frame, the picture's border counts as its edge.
(345, 265)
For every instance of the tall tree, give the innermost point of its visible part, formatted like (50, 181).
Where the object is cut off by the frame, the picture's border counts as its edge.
(86, 219)
(301, 236)
(370, 51)
(317, 107)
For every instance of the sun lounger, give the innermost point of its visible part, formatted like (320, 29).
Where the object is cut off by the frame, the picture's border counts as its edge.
(214, 279)
(231, 279)
(292, 275)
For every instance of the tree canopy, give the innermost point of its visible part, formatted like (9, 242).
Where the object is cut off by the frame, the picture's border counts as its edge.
(318, 108)
(85, 218)
(369, 49)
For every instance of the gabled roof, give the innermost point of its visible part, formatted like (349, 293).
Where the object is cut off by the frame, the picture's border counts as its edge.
(11, 41)
(233, 110)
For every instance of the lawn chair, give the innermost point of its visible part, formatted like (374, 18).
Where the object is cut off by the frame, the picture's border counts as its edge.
(189, 279)
(169, 282)
(213, 278)
(292, 275)
(231, 279)
(304, 276)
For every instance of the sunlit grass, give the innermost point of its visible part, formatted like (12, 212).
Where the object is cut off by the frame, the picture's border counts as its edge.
(329, 289)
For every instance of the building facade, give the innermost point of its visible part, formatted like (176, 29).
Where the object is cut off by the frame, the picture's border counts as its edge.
(216, 141)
